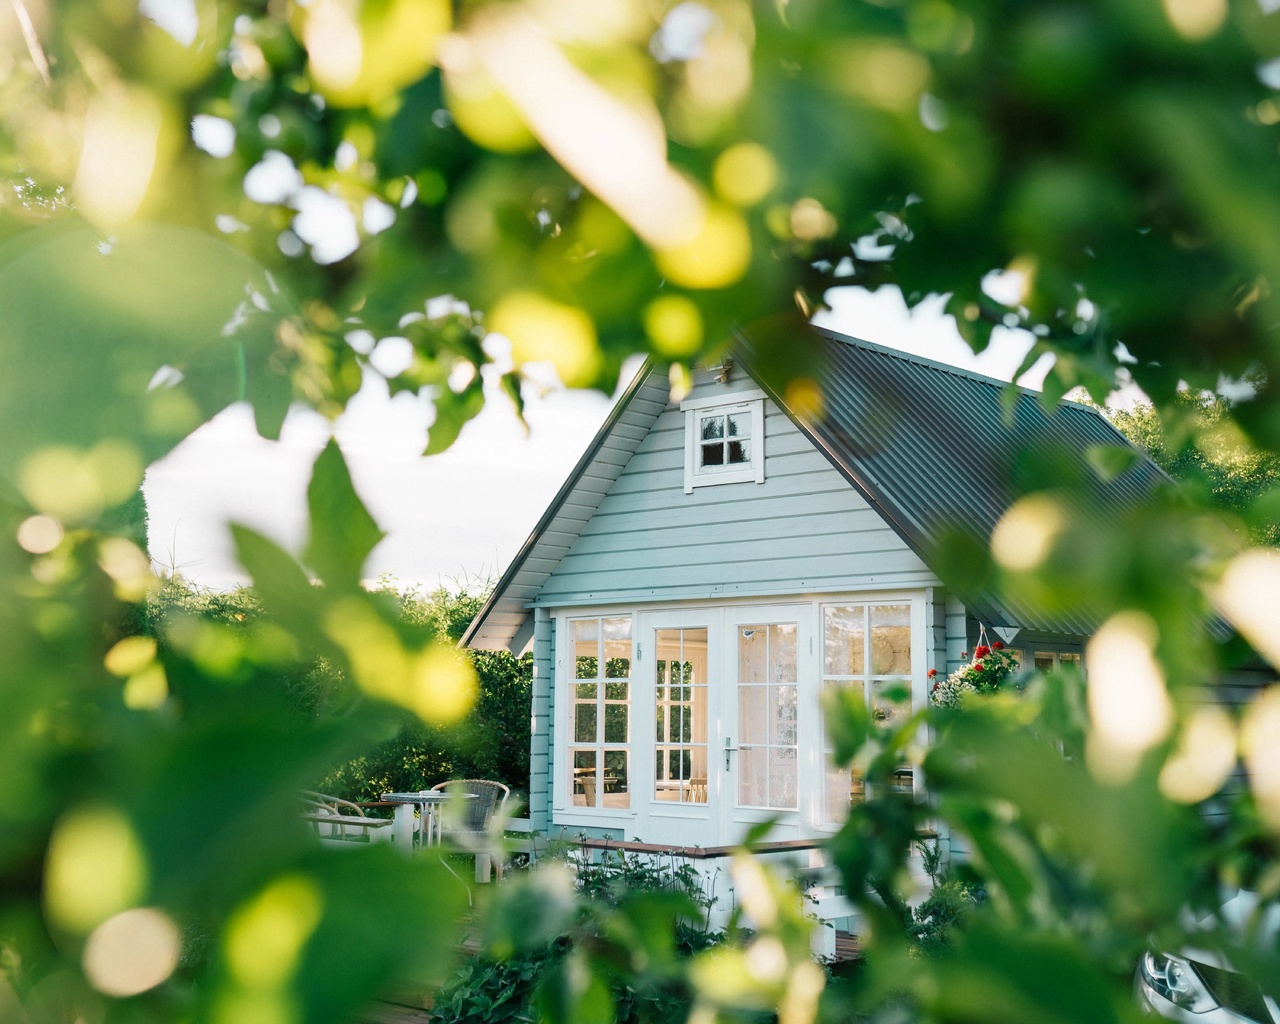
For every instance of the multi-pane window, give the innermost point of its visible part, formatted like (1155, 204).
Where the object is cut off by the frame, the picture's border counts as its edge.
(767, 717)
(1047, 661)
(724, 442)
(680, 715)
(724, 439)
(865, 648)
(600, 712)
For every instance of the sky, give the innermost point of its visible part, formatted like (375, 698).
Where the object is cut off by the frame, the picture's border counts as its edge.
(461, 516)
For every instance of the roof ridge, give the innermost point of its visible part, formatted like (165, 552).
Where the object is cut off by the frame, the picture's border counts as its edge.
(937, 364)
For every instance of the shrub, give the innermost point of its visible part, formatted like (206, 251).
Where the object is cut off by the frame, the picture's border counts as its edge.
(522, 985)
(936, 919)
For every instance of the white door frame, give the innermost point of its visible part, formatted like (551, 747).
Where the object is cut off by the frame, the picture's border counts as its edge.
(737, 819)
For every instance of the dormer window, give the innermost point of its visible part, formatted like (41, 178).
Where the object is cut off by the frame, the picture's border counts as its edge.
(723, 439)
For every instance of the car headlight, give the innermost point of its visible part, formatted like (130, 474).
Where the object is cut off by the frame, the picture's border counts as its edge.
(1174, 978)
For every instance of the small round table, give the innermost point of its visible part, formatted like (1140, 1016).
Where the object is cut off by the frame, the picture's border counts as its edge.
(426, 801)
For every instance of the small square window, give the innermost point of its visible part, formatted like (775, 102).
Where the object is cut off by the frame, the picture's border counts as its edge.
(723, 441)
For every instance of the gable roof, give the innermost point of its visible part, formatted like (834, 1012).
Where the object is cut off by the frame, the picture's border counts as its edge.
(505, 620)
(929, 446)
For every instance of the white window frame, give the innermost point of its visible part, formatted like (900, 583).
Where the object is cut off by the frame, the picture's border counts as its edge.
(915, 622)
(751, 402)
(564, 718)
(563, 810)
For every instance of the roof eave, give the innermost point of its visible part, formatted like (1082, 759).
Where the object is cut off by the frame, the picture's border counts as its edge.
(560, 498)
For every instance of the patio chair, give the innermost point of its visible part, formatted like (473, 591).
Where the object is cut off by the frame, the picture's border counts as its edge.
(331, 816)
(467, 822)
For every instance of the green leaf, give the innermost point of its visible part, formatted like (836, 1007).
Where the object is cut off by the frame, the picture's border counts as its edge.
(575, 992)
(279, 580)
(848, 721)
(343, 533)
(90, 320)
(453, 412)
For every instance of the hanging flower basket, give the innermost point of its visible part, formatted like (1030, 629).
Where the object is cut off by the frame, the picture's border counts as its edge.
(991, 670)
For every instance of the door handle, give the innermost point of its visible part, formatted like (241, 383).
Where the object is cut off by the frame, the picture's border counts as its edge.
(729, 749)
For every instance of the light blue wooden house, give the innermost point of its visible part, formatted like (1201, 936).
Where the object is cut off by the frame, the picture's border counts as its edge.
(717, 560)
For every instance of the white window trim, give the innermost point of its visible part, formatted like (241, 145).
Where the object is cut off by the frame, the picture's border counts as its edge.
(564, 811)
(740, 401)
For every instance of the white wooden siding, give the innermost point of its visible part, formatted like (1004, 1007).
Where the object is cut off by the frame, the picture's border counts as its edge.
(804, 530)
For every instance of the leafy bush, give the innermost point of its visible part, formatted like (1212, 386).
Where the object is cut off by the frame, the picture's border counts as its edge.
(521, 985)
(936, 919)
(492, 742)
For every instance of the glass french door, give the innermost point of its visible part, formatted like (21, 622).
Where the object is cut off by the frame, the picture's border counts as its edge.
(770, 720)
(678, 718)
(727, 699)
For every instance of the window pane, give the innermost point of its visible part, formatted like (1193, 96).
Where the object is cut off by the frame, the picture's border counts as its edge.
(661, 721)
(615, 723)
(891, 639)
(1069, 658)
(617, 648)
(713, 455)
(782, 778)
(835, 791)
(753, 776)
(885, 710)
(753, 714)
(712, 428)
(900, 783)
(584, 778)
(586, 691)
(782, 653)
(842, 641)
(617, 783)
(740, 424)
(584, 723)
(697, 791)
(587, 666)
(784, 717)
(753, 654)
(1044, 661)
(739, 452)
(616, 691)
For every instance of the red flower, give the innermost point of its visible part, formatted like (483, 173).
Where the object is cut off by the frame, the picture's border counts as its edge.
(964, 654)
(981, 651)
(932, 672)
(978, 665)
(935, 688)
(998, 646)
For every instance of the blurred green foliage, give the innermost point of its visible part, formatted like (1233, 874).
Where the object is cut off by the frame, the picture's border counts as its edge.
(490, 742)
(236, 200)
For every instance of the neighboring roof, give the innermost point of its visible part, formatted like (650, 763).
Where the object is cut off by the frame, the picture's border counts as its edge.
(934, 448)
(931, 447)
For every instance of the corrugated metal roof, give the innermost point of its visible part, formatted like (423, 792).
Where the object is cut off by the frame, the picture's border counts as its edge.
(935, 448)
(931, 447)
